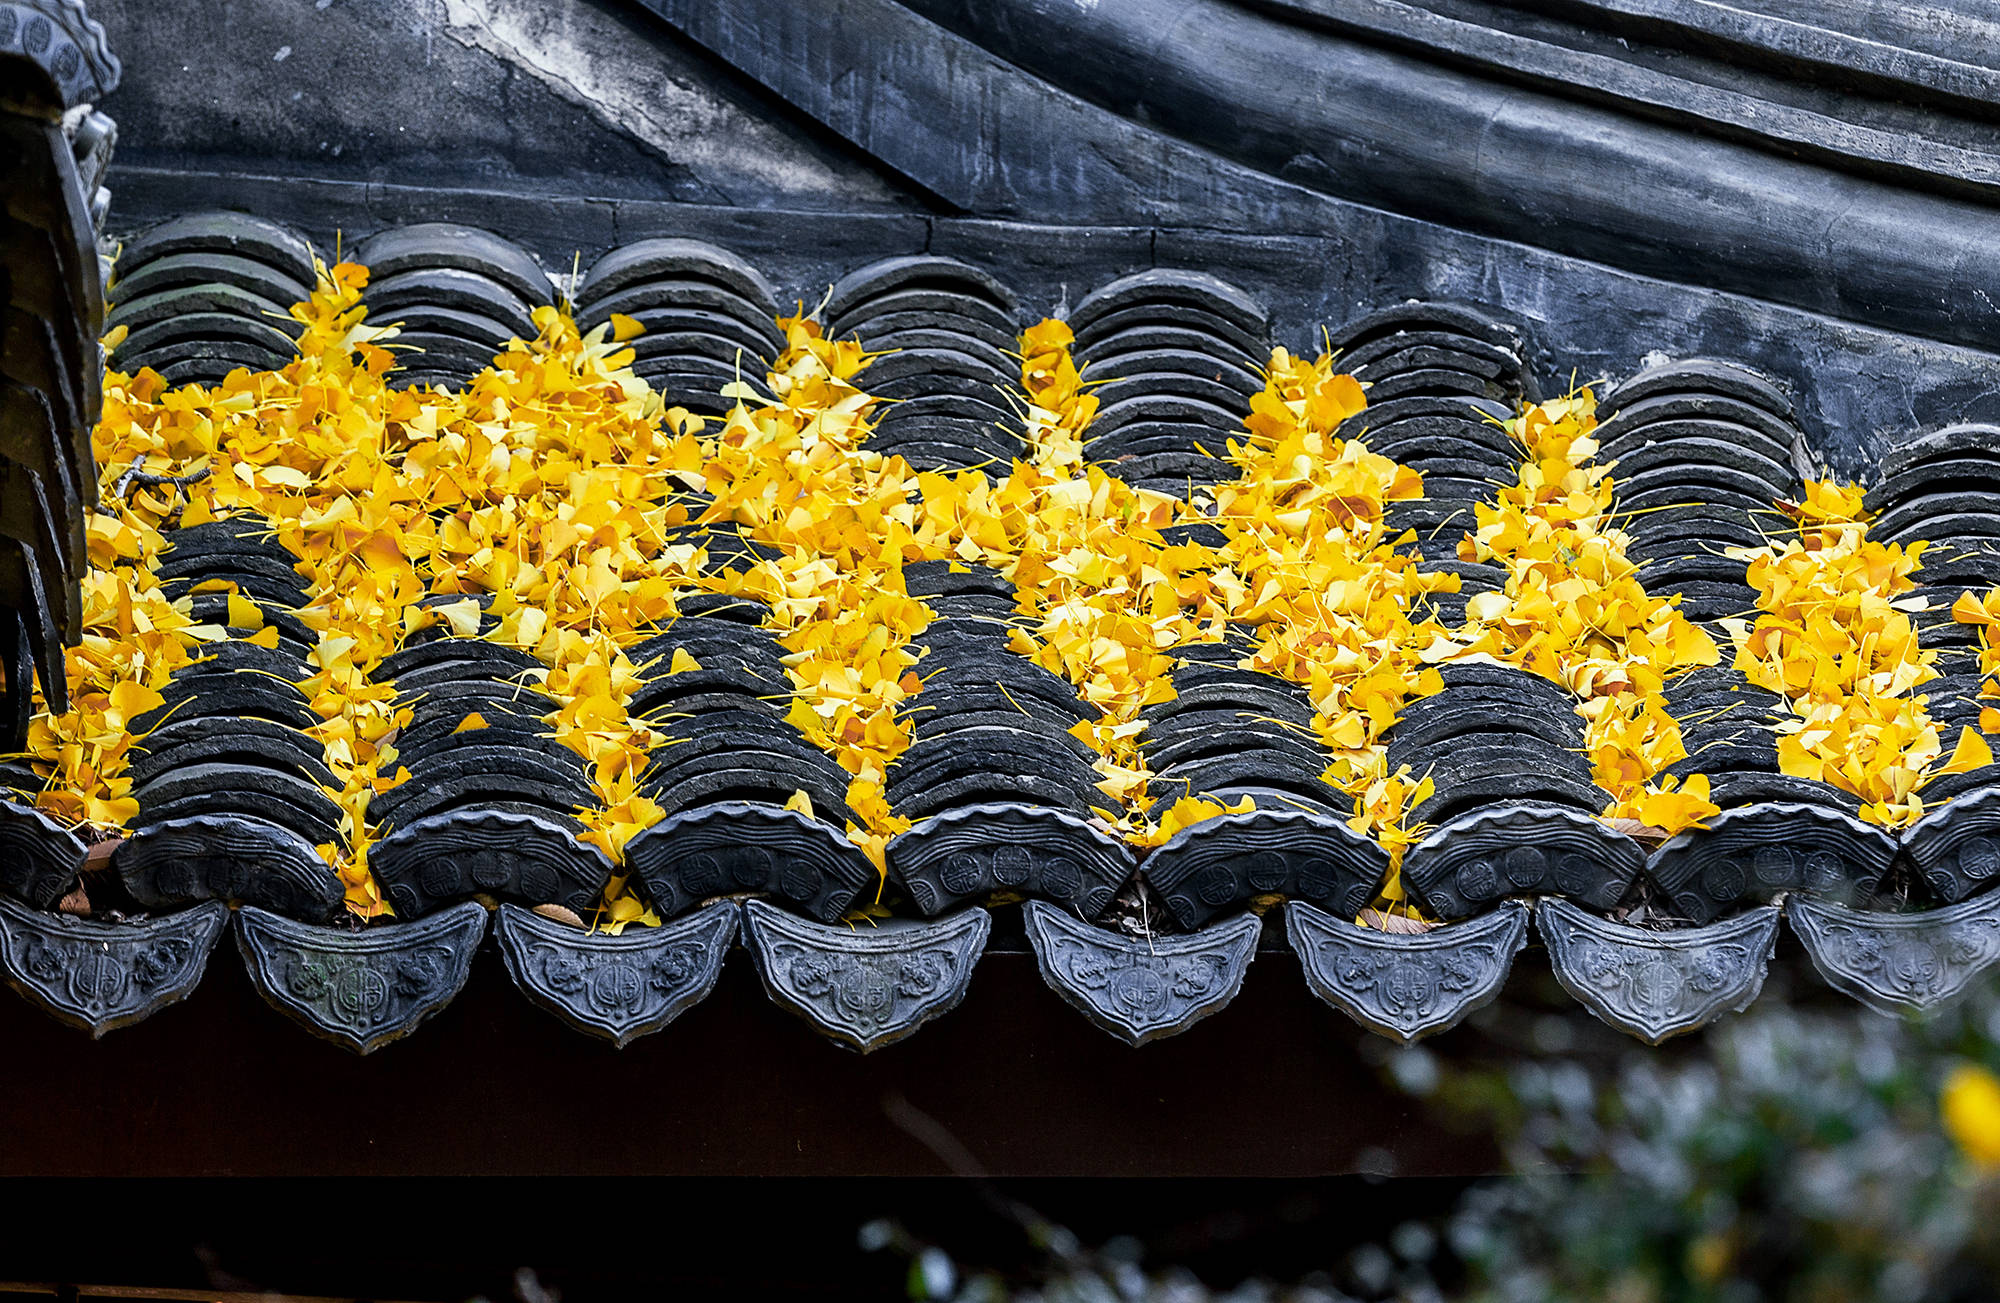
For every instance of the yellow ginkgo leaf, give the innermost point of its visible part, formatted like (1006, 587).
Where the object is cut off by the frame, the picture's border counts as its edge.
(244, 613)
(682, 662)
(1970, 753)
(470, 723)
(462, 616)
(130, 700)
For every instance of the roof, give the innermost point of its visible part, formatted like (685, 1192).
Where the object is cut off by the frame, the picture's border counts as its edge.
(996, 793)
(626, 618)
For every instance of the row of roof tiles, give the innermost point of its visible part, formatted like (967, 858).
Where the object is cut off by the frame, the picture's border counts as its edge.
(230, 799)
(871, 987)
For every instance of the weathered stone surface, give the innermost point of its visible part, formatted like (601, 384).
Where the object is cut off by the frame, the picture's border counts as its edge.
(864, 987)
(1899, 963)
(102, 976)
(1407, 985)
(360, 989)
(1141, 990)
(616, 987)
(1657, 984)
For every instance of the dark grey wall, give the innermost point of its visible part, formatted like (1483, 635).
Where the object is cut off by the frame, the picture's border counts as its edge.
(576, 96)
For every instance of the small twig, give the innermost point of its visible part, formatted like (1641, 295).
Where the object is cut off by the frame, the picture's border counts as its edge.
(952, 1152)
(136, 476)
(137, 467)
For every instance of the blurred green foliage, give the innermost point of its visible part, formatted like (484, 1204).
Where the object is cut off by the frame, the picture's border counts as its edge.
(1799, 1155)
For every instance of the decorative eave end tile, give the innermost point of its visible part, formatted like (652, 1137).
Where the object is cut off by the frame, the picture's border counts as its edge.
(1212, 865)
(1957, 846)
(865, 987)
(968, 853)
(227, 857)
(1408, 985)
(360, 989)
(742, 846)
(616, 987)
(103, 976)
(39, 858)
(1899, 963)
(1136, 990)
(1657, 984)
(1526, 849)
(510, 853)
(1755, 852)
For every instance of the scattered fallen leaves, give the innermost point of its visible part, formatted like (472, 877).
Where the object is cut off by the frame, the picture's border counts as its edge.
(544, 506)
(1834, 637)
(1573, 610)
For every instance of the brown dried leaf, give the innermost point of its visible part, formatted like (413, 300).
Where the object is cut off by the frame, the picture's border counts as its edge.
(561, 914)
(1638, 831)
(77, 903)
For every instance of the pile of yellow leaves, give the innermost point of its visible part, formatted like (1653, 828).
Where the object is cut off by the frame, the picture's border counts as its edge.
(545, 486)
(1097, 586)
(1984, 612)
(1309, 565)
(134, 638)
(794, 474)
(1834, 637)
(1106, 596)
(1574, 610)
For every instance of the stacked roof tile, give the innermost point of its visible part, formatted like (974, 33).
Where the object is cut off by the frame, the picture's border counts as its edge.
(998, 790)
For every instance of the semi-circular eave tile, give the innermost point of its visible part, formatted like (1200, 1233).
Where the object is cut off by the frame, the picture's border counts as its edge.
(453, 855)
(1899, 963)
(226, 857)
(1957, 847)
(1227, 860)
(1657, 984)
(1756, 852)
(67, 43)
(1408, 985)
(743, 846)
(865, 987)
(1141, 990)
(969, 852)
(1521, 849)
(102, 976)
(616, 987)
(361, 989)
(39, 858)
